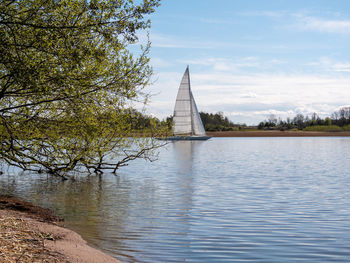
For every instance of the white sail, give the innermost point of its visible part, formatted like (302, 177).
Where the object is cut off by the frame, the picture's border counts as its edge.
(182, 111)
(186, 119)
(197, 125)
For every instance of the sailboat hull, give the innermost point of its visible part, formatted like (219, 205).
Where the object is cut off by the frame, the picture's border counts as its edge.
(185, 138)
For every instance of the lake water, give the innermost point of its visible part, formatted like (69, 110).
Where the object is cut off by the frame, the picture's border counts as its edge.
(222, 200)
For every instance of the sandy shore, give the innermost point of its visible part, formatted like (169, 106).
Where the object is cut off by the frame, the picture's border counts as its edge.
(276, 134)
(32, 234)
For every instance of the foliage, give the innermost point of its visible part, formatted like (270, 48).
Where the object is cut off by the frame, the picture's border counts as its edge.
(147, 125)
(66, 77)
(323, 128)
(341, 117)
(346, 127)
(338, 121)
(218, 122)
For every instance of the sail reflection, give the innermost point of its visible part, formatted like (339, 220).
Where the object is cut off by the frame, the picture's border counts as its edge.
(183, 200)
(185, 155)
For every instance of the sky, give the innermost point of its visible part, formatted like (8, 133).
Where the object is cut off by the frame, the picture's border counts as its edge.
(252, 58)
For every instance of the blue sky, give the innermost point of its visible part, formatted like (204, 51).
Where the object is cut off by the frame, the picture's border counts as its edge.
(252, 58)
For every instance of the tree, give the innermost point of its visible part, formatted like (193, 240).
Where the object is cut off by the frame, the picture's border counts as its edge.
(218, 122)
(66, 77)
(328, 121)
(341, 117)
(299, 121)
(272, 119)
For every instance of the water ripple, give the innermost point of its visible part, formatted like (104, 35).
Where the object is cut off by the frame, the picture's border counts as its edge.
(224, 200)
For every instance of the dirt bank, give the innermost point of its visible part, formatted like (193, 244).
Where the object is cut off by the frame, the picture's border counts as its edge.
(276, 134)
(33, 234)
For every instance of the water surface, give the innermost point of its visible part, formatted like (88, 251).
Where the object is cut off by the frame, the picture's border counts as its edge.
(222, 200)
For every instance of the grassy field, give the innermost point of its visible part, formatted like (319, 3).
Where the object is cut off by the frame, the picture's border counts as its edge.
(328, 128)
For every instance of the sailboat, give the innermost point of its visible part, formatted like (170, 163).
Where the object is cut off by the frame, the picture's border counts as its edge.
(187, 121)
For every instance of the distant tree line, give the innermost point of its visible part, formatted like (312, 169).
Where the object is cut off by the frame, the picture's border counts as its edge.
(218, 122)
(143, 122)
(339, 120)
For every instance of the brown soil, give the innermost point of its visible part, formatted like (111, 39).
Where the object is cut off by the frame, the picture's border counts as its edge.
(32, 211)
(276, 134)
(29, 233)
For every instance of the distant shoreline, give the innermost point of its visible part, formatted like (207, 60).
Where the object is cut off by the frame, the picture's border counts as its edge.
(278, 134)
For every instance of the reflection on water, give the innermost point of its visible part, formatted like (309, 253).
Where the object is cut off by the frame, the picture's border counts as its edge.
(184, 152)
(223, 200)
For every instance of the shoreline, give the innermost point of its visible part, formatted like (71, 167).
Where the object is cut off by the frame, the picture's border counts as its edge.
(278, 134)
(29, 233)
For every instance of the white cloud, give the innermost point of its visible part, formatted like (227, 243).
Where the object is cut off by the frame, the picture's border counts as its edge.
(323, 25)
(195, 42)
(234, 64)
(341, 67)
(307, 22)
(159, 62)
(328, 64)
(266, 13)
(249, 95)
(172, 41)
(251, 98)
(166, 41)
(224, 64)
(216, 21)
